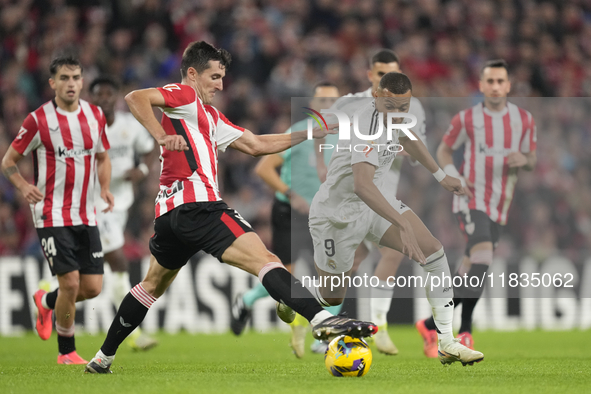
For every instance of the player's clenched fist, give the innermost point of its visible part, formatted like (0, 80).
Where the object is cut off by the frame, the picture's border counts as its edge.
(173, 143)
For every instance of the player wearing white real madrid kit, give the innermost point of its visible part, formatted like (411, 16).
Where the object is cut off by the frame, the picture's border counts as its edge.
(349, 207)
(382, 62)
(129, 141)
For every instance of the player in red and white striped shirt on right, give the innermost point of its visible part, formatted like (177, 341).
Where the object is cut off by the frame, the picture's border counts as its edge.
(499, 138)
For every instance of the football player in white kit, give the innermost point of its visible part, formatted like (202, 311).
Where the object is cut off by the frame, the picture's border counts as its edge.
(381, 63)
(350, 207)
(129, 140)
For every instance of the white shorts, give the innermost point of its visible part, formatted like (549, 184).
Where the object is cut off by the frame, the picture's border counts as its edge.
(111, 226)
(388, 188)
(335, 243)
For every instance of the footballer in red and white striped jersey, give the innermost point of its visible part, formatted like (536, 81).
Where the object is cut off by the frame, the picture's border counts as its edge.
(64, 145)
(489, 137)
(191, 175)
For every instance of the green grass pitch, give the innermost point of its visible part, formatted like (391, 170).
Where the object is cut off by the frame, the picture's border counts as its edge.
(518, 362)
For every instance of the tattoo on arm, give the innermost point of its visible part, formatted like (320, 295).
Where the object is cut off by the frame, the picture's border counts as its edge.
(9, 171)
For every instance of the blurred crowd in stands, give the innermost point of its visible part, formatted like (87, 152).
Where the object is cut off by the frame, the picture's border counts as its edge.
(281, 48)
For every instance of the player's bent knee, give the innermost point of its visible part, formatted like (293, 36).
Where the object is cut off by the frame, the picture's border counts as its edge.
(433, 246)
(69, 286)
(91, 292)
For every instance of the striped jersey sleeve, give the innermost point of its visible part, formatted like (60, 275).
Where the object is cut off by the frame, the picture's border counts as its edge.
(456, 134)
(226, 132)
(28, 138)
(103, 143)
(179, 100)
(529, 135)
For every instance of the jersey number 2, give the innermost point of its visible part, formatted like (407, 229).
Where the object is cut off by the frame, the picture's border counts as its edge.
(48, 245)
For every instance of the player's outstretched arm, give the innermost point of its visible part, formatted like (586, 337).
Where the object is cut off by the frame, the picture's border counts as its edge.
(103, 168)
(140, 104)
(446, 161)
(417, 150)
(368, 192)
(259, 145)
(31, 193)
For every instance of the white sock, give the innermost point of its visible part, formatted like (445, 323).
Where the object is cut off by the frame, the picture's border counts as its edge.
(316, 293)
(44, 301)
(121, 287)
(320, 317)
(440, 297)
(381, 299)
(105, 360)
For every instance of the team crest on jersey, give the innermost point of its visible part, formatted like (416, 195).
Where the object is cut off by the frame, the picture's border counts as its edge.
(470, 228)
(332, 264)
(93, 124)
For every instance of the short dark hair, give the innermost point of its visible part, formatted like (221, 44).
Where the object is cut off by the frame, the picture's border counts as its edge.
(64, 60)
(324, 84)
(384, 56)
(397, 83)
(104, 80)
(199, 53)
(495, 63)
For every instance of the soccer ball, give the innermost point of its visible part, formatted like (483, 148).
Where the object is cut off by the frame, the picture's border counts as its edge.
(347, 356)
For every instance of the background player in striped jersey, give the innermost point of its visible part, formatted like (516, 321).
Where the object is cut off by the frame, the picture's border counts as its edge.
(383, 62)
(68, 141)
(190, 214)
(291, 236)
(130, 143)
(499, 138)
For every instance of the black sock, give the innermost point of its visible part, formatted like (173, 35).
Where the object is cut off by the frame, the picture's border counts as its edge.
(130, 314)
(471, 295)
(430, 324)
(281, 285)
(467, 310)
(51, 298)
(66, 344)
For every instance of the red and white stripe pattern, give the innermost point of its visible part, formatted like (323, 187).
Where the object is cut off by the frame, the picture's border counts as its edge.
(140, 294)
(191, 176)
(489, 137)
(64, 145)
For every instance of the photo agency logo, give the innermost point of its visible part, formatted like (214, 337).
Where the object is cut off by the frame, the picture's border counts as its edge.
(393, 122)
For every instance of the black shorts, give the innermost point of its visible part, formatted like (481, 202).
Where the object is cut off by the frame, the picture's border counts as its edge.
(189, 228)
(291, 233)
(72, 248)
(478, 227)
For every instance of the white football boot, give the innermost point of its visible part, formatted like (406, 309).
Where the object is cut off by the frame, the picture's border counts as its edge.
(455, 351)
(384, 342)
